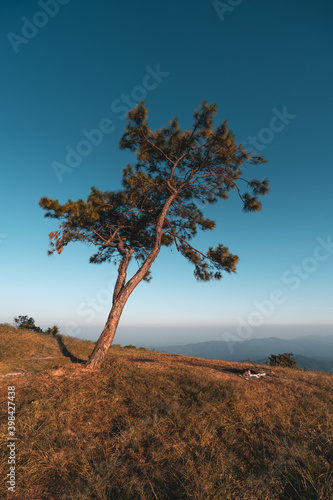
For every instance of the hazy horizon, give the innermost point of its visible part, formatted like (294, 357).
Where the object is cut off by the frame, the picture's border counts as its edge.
(159, 335)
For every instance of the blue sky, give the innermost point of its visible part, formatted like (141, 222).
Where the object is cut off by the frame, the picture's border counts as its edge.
(73, 66)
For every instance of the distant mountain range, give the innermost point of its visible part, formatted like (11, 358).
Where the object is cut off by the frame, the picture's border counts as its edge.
(313, 352)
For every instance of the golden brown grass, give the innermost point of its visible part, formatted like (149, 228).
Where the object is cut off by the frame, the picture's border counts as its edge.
(26, 351)
(160, 426)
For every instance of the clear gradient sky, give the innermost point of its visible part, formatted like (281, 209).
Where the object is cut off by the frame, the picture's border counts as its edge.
(71, 66)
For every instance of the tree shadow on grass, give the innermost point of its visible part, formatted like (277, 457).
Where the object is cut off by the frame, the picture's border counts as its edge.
(219, 368)
(229, 369)
(66, 352)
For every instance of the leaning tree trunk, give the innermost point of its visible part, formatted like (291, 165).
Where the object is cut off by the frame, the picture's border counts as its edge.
(105, 340)
(123, 291)
(120, 297)
(121, 294)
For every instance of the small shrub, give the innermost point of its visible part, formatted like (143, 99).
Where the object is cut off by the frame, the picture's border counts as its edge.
(26, 323)
(54, 330)
(285, 359)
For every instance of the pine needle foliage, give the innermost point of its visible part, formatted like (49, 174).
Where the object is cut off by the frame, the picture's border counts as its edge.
(176, 174)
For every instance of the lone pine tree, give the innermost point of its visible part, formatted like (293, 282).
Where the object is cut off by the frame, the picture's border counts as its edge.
(176, 172)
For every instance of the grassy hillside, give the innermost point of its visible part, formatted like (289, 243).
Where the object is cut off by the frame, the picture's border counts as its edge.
(161, 426)
(26, 351)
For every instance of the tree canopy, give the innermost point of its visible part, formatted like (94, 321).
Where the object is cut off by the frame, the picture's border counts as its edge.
(27, 323)
(176, 174)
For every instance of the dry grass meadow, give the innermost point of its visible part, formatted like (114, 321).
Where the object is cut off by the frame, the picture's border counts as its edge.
(150, 425)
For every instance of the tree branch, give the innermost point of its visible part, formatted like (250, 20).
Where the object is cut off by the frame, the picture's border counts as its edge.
(175, 165)
(185, 241)
(131, 284)
(158, 149)
(122, 274)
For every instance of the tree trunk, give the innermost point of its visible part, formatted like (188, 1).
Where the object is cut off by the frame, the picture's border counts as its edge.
(123, 291)
(105, 340)
(118, 302)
